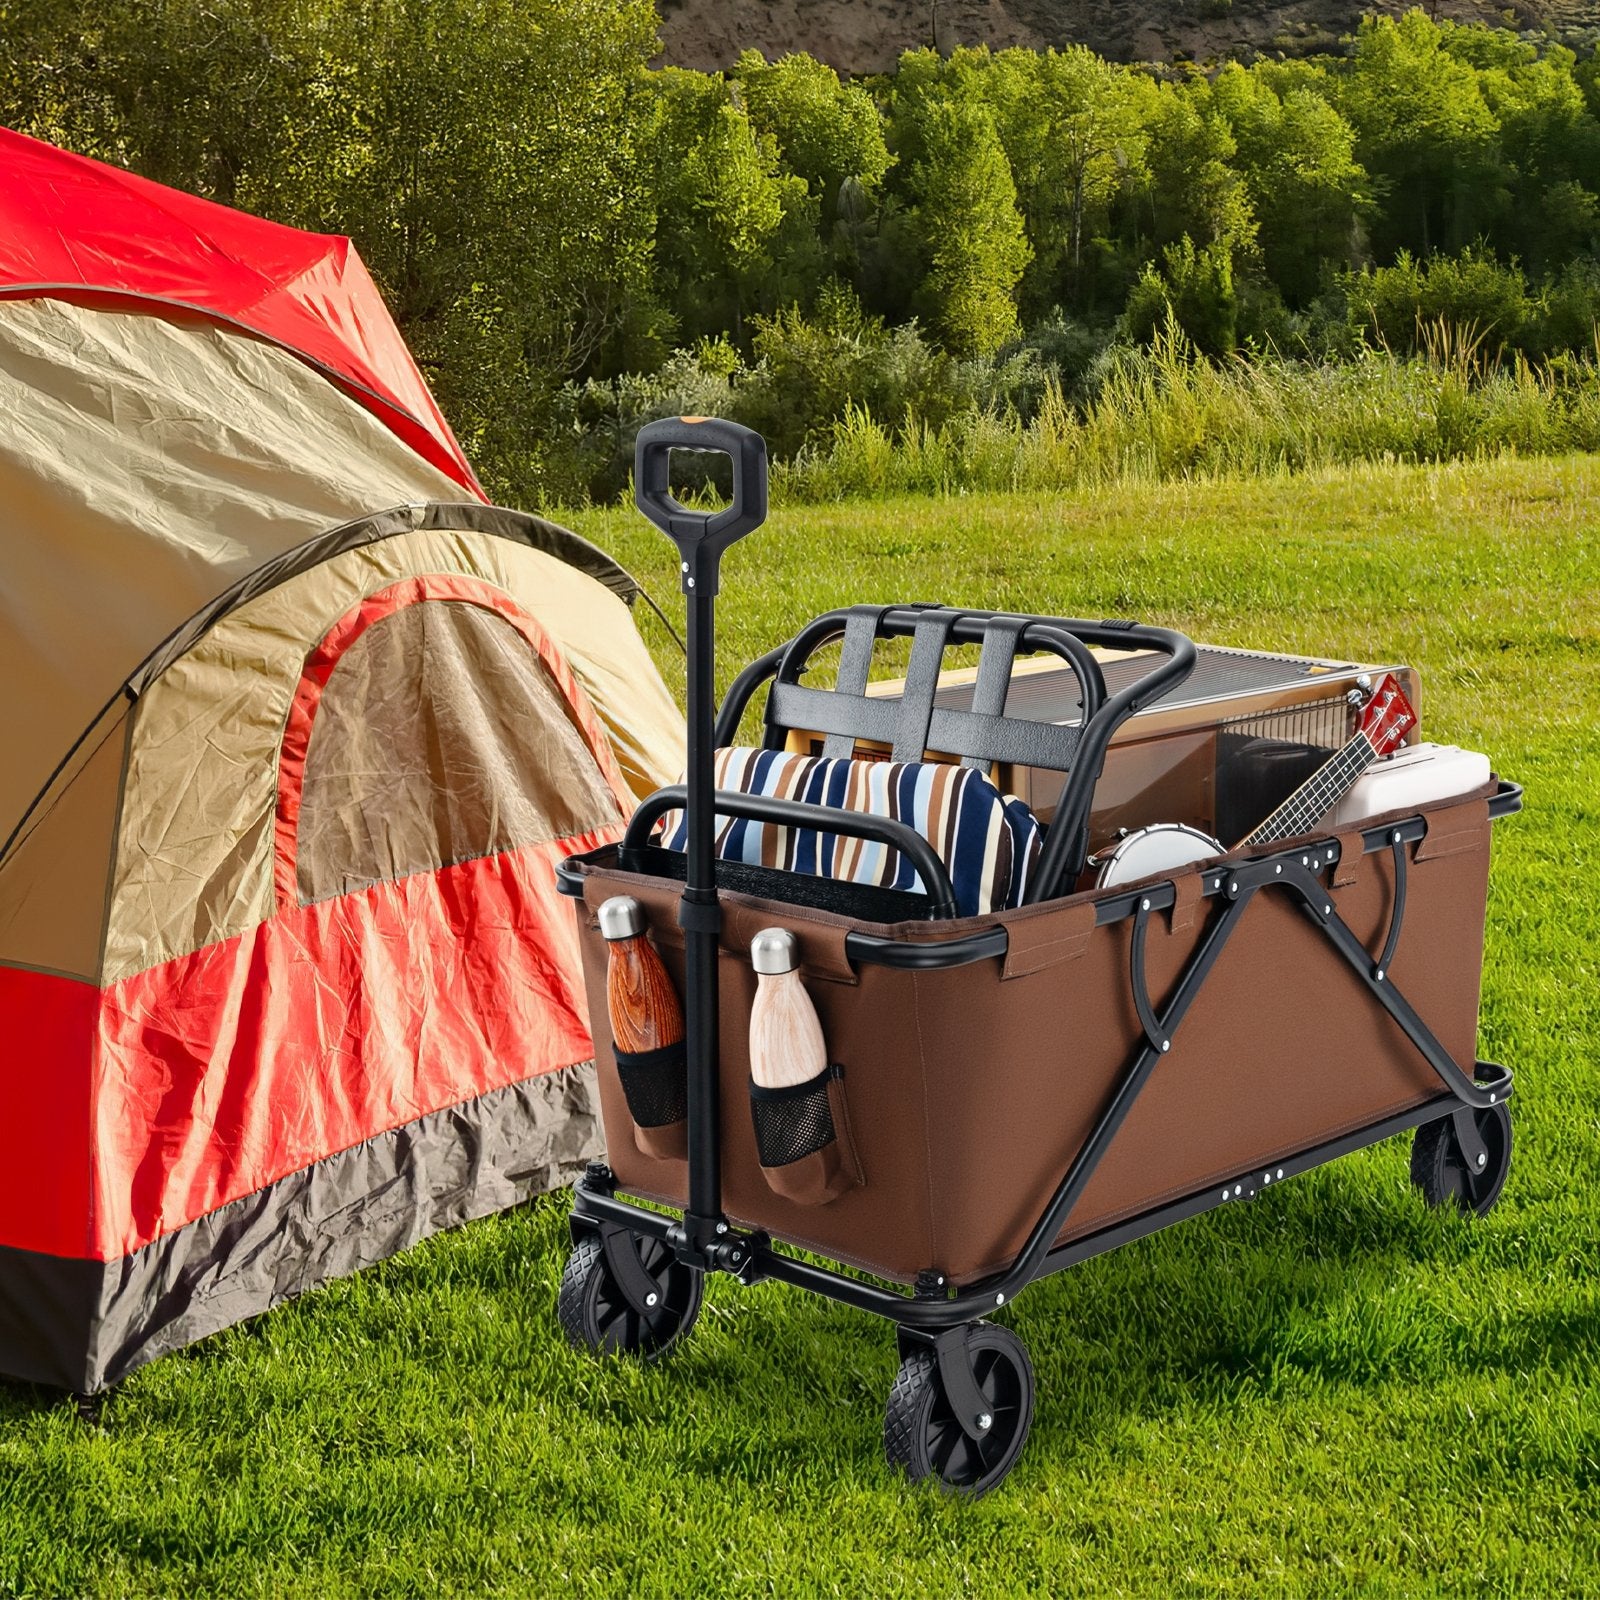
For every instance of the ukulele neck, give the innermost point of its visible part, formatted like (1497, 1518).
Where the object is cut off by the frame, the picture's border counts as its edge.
(1318, 795)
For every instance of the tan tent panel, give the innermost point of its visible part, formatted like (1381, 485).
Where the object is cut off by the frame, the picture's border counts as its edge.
(195, 851)
(141, 474)
(54, 887)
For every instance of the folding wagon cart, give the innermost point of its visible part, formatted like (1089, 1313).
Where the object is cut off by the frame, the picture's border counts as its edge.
(1013, 1091)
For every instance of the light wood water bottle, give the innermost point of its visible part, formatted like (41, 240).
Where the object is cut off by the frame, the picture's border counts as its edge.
(646, 1031)
(786, 1044)
(796, 1096)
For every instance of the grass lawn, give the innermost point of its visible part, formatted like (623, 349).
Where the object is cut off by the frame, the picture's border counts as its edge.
(1330, 1391)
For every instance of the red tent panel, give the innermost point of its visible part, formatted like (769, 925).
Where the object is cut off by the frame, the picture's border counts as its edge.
(70, 225)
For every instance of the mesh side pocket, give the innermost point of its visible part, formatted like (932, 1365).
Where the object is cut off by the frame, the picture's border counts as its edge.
(802, 1138)
(655, 1084)
(793, 1121)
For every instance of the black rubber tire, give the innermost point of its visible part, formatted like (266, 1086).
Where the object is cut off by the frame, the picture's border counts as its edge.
(1439, 1168)
(595, 1315)
(921, 1435)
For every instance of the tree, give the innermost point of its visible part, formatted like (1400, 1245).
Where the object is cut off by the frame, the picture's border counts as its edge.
(735, 233)
(826, 132)
(964, 216)
(497, 186)
(1550, 143)
(1307, 190)
(1194, 188)
(201, 96)
(1073, 130)
(1422, 127)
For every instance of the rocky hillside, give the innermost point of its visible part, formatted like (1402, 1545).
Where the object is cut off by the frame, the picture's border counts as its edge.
(868, 35)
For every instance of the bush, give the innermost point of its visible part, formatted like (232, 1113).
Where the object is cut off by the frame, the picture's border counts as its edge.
(808, 376)
(1165, 411)
(1394, 306)
(1195, 291)
(1569, 311)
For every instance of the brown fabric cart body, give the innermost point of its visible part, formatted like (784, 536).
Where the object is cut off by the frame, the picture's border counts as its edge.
(970, 1090)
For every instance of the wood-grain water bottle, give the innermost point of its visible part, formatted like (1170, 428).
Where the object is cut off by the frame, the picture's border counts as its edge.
(796, 1099)
(646, 1031)
(786, 1045)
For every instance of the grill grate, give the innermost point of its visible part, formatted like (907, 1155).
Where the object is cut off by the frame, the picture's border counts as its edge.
(1053, 696)
(1321, 724)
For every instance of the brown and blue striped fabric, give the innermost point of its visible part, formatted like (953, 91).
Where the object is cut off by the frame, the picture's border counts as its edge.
(989, 842)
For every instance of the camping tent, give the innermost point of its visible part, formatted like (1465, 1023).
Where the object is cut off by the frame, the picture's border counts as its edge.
(296, 727)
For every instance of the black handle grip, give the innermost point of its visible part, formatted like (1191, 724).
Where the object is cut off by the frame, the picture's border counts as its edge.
(701, 536)
(803, 814)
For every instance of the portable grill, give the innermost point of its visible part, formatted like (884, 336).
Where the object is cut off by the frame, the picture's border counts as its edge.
(1014, 1092)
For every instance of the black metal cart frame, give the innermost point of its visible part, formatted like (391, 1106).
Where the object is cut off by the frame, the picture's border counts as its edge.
(702, 1238)
(1298, 872)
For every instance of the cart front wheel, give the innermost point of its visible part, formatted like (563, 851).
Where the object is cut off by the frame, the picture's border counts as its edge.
(1445, 1174)
(596, 1314)
(922, 1435)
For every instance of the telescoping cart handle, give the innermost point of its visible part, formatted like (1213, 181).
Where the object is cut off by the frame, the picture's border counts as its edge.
(701, 536)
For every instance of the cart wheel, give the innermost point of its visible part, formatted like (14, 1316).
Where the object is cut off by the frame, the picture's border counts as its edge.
(921, 1435)
(1439, 1168)
(596, 1315)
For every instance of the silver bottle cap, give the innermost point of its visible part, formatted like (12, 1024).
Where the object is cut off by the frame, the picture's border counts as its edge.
(774, 950)
(621, 917)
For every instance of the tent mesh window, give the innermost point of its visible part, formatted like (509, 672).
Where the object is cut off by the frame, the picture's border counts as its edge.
(441, 737)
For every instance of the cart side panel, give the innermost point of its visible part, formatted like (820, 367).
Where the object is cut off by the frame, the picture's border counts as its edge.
(971, 1091)
(1284, 1048)
(870, 1031)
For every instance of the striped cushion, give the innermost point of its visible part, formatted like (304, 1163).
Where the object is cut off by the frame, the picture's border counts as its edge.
(989, 841)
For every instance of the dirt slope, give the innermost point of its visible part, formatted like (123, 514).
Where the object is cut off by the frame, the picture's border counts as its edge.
(869, 35)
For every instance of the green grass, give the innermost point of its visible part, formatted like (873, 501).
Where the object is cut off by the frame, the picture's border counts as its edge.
(1169, 413)
(1331, 1391)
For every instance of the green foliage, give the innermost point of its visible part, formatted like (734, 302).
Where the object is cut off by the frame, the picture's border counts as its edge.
(1168, 412)
(1305, 187)
(473, 117)
(806, 375)
(1398, 306)
(1424, 130)
(964, 218)
(1570, 312)
(1195, 187)
(825, 131)
(1074, 130)
(735, 233)
(1194, 292)
(551, 220)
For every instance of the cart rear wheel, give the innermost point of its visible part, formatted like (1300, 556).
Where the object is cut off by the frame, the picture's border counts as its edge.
(1440, 1169)
(921, 1434)
(596, 1315)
